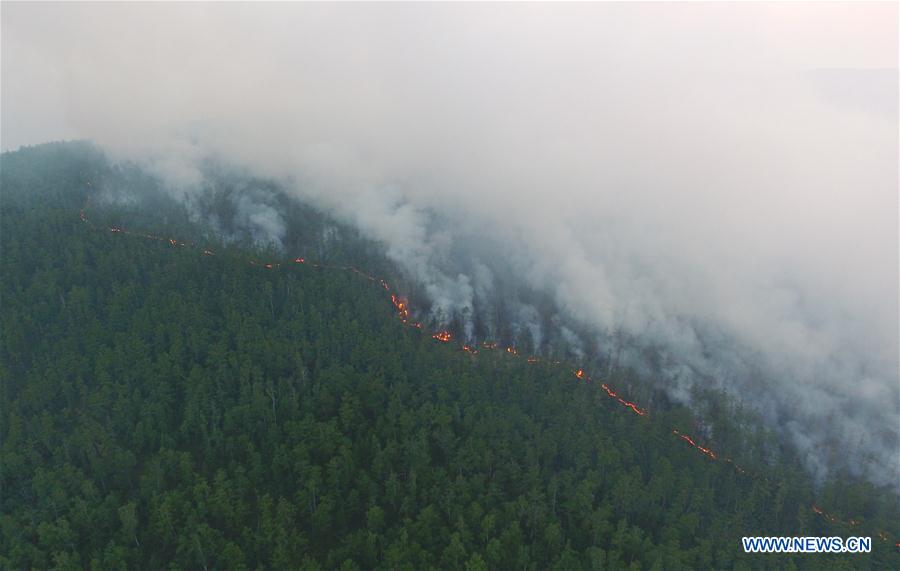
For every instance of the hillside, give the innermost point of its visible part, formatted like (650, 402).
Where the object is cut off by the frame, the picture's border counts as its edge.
(166, 408)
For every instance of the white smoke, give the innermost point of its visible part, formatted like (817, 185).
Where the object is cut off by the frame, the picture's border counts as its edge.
(264, 222)
(715, 186)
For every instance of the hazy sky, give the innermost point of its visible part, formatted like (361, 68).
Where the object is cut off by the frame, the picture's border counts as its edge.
(653, 166)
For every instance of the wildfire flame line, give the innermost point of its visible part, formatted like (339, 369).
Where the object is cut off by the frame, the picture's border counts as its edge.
(401, 306)
(443, 336)
(690, 441)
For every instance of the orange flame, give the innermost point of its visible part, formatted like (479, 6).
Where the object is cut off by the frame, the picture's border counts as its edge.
(443, 336)
(634, 408)
(690, 441)
(402, 307)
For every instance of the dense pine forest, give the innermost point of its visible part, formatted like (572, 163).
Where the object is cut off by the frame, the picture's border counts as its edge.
(162, 408)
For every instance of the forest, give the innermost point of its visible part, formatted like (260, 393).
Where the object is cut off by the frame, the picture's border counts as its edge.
(166, 409)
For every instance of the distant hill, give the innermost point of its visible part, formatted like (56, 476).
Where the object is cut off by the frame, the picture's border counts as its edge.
(163, 408)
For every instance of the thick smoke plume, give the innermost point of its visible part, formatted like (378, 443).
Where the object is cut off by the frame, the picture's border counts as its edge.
(712, 185)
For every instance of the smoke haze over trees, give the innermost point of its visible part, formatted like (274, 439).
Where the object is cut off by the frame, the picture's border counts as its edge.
(164, 407)
(715, 186)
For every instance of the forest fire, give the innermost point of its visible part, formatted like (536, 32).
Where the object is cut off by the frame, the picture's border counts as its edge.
(444, 336)
(401, 305)
(690, 441)
(634, 408)
(828, 516)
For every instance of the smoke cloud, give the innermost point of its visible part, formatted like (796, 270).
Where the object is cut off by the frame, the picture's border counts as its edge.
(717, 183)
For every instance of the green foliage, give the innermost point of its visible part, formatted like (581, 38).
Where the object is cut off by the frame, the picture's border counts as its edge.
(164, 409)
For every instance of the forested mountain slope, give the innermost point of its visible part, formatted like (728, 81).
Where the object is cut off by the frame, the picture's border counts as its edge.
(163, 408)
